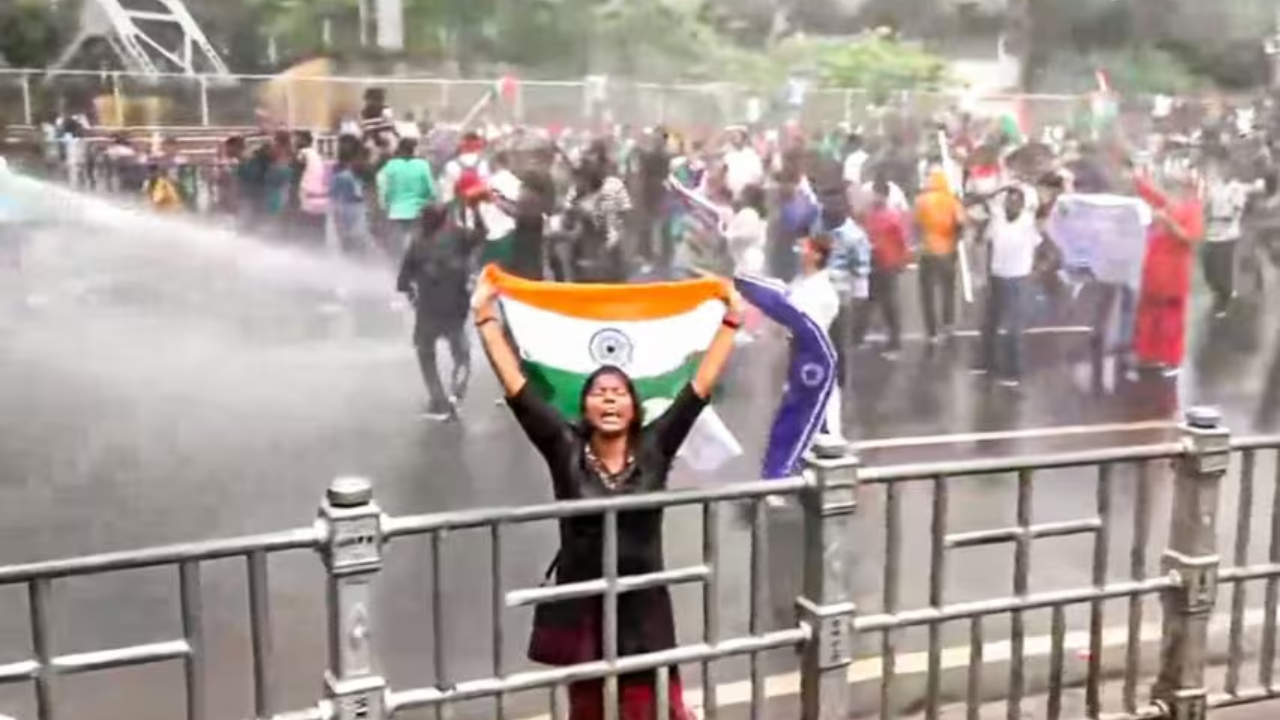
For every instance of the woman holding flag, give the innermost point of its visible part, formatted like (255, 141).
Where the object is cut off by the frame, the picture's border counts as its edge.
(610, 452)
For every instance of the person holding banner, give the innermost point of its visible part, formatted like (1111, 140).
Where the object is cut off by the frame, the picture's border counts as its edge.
(814, 294)
(1160, 326)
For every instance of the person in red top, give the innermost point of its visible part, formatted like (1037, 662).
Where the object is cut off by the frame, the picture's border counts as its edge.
(1160, 326)
(887, 230)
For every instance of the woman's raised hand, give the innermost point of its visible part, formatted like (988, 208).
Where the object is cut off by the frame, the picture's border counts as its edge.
(733, 300)
(484, 295)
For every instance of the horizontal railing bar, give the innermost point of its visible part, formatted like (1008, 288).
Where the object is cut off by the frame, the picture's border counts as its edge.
(1042, 330)
(1256, 442)
(534, 679)
(25, 670)
(980, 608)
(320, 712)
(1146, 712)
(121, 657)
(459, 520)
(39, 74)
(299, 539)
(1249, 572)
(1243, 697)
(1064, 528)
(591, 588)
(1005, 435)
(988, 466)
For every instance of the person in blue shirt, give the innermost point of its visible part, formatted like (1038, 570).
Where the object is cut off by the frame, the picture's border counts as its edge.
(850, 269)
(347, 199)
(797, 213)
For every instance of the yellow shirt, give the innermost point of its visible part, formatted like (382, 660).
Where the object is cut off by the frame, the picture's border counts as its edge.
(939, 215)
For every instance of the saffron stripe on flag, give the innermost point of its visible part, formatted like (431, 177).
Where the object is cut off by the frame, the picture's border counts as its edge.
(607, 302)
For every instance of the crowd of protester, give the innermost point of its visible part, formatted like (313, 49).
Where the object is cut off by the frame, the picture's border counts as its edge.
(843, 214)
(840, 216)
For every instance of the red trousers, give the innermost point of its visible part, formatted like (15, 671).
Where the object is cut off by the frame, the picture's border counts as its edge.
(1160, 330)
(636, 697)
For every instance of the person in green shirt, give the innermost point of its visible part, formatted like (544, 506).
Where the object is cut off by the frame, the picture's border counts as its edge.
(406, 186)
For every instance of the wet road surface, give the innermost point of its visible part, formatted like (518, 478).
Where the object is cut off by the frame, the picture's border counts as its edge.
(159, 394)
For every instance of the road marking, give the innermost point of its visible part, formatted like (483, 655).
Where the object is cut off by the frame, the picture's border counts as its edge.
(917, 663)
(890, 443)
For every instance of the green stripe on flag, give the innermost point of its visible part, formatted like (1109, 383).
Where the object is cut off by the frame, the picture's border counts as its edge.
(563, 389)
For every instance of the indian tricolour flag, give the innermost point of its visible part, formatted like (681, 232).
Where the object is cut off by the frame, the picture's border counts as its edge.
(657, 333)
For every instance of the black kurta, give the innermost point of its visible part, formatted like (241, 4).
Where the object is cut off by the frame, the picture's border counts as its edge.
(568, 632)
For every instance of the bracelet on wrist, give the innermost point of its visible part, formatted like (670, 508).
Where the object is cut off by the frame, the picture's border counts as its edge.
(483, 320)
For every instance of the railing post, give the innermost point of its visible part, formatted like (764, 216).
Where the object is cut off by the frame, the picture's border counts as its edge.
(1191, 560)
(28, 116)
(826, 604)
(353, 556)
(204, 101)
(117, 99)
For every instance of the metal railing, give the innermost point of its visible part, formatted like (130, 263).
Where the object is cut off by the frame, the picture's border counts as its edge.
(193, 100)
(827, 620)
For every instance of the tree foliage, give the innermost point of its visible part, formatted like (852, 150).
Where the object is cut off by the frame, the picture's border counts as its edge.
(1151, 45)
(879, 62)
(875, 61)
(29, 33)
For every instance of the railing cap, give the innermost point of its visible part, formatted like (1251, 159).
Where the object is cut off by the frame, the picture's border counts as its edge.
(1203, 418)
(350, 491)
(827, 447)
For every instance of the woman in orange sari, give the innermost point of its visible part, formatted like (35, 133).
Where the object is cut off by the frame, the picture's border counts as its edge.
(1160, 327)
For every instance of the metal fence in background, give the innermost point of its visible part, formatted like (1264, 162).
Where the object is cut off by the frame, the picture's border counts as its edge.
(353, 537)
(180, 100)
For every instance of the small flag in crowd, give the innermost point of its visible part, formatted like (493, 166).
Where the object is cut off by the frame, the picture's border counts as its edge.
(656, 333)
(811, 377)
(508, 88)
(701, 210)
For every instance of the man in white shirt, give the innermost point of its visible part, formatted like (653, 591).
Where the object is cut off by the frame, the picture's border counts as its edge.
(855, 160)
(1014, 237)
(743, 166)
(1224, 204)
(470, 158)
(815, 295)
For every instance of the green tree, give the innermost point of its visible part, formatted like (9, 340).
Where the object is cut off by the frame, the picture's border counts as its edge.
(29, 33)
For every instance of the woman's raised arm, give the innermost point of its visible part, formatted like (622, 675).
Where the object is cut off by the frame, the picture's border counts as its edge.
(717, 356)
(502, 357)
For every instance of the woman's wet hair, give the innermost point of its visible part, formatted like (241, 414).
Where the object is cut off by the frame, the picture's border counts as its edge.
(637, 414)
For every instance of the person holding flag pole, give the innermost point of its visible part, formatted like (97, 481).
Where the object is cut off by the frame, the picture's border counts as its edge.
(610, 451)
